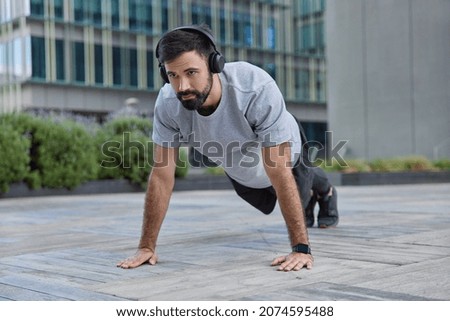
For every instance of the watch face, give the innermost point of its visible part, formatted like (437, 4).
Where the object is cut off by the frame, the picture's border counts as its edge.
(301, 248)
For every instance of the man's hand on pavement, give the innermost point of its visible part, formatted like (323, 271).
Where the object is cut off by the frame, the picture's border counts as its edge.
(293, 262)
(141, 256)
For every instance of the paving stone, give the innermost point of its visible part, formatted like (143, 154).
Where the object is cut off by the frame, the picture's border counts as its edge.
(392, 243)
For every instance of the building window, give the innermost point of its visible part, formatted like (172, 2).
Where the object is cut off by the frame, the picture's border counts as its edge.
(133, 68)
(88, 11)
(315, 132)
(222, 26)
(150, 81)
(59, 51)
(148, 16)
(59, 9)
(78, 59)
(165, 16)
(306, 7)
(117, 65)
(115, 15)
(306, 37)
(201, 14)
(98, 59)
(248, 31)
(133, 15)
(320, 36)
(242, 29)
(96, 12)
(271, 38)
(302, 85)
(37, 8)
(320, 86)
(38, 57)
(78, 10)
(259, 33)
(271, 69)
(140, 15)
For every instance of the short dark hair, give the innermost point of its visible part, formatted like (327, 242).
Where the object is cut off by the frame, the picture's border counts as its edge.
(178, 41)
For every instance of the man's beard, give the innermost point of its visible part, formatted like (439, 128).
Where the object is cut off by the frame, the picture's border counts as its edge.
(200, 97)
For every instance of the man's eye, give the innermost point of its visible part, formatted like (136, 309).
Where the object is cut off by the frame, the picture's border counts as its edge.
(191, 73)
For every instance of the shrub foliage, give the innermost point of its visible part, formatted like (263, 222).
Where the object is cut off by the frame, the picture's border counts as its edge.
(60, 153)
(57, 152)
(14, 156)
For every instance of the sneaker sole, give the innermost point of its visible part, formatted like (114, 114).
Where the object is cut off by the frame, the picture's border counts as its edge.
(327, 226)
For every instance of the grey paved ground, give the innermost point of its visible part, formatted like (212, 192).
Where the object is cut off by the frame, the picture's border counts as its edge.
(393, 243)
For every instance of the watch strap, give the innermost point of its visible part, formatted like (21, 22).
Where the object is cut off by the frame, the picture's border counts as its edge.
(301, 248)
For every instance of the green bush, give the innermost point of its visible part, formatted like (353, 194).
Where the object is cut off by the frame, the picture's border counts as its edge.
(442, 164)
(417, 163)
(60, 154)
(396, 164)
(14, 157)
(387, 165)
(65, 154)
(350, 166)
(216, 171)
(399, 164)
(127, 155)
(125, 150)
(56, 152)
(118, 126)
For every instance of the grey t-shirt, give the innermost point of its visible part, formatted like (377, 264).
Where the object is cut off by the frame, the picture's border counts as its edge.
(251, 114)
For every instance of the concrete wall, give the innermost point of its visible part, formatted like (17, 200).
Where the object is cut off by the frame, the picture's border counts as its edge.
(388, 76)
(85, 99)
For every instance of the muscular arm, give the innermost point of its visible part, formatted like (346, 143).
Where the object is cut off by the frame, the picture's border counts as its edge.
(159, 190)
(277, 163)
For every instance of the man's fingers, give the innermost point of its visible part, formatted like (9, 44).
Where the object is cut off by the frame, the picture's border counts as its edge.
(153, 260)
(129, 263)
(278, 260)
(138, 259)
(293, 262)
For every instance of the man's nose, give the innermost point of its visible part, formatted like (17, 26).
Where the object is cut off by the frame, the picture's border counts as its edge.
(183, 84)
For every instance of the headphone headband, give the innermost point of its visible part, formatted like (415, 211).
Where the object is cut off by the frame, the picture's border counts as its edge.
(215, 60)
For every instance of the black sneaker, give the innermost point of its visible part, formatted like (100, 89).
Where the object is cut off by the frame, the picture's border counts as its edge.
(328, 213)
(309, 211)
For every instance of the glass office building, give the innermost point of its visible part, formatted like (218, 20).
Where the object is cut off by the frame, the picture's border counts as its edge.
(91, 55)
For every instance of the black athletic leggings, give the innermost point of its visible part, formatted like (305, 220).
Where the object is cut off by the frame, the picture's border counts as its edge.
(307, 179)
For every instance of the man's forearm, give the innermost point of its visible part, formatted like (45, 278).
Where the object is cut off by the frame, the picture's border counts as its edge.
(291, 208)
(277, 160)
(156, 204)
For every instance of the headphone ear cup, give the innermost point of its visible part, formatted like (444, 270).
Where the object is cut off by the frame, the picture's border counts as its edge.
(216, 62)
(163, 73)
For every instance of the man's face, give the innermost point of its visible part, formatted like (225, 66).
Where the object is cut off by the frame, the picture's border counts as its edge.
(190, 78)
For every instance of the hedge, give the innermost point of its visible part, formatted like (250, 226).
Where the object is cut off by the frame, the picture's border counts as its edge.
(14, 158)
(413, 163)
(60, 153)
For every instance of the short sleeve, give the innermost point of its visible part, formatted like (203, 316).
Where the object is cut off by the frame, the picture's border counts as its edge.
(166, 131)
(268, 116)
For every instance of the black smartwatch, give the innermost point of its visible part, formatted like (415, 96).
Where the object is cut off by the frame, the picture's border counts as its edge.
(301, 248)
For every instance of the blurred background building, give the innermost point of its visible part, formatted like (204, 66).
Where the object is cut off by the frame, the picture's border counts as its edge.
(385, 79)
(90, 56)
(388, 75)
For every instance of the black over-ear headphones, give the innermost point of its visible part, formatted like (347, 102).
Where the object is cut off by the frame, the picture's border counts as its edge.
(216, 61)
